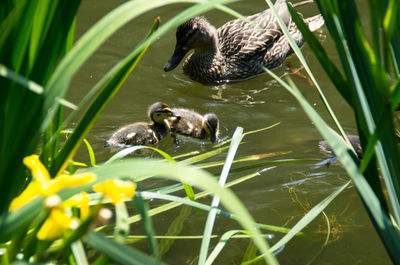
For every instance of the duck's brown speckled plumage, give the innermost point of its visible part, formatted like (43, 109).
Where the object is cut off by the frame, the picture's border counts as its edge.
(354, 140)
(142, 133)
(193, 124)
(237, 50)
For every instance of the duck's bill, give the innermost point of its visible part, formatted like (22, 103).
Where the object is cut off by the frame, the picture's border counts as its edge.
(176, 58)
(213, 138)
(176, 115)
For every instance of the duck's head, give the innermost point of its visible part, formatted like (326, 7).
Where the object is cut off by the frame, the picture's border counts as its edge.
(159, 111)
(211, 125)
(196, 33)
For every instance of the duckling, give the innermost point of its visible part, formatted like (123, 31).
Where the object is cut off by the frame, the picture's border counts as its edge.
(238, 50)
(193, 124)
(142, 133)
(354, 140)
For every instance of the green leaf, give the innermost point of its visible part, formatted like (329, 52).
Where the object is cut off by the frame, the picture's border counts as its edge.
(174, 230)
(326, 62)
(391, 18)
(147, 223)
(221, 244)
(121, 230)
(117, 252)
(79, 253)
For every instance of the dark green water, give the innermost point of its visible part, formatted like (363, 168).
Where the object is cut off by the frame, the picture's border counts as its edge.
(278, 196)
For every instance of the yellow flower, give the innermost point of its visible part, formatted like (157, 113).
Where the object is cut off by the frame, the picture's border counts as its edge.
(58, 220)
(42, 184)
(116, 189)
(56, 224)
(80, 200)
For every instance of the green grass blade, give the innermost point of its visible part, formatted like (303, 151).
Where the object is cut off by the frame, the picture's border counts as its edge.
(79, 253)
(205, 243)
(391, 18)
(174, 229)
(91, 153)
(38, 31)
(117, 252)
(221, 244)
(242, 159)
(147, 223)
(29, 84)
(326, 62)
(367, 79)
(204, 156)
(23, 27)
(88, 146)
(183, 201)
(9, 23)
(395, 95)
(22, 217)
(121, 230)
(10, 74)
(124, 152)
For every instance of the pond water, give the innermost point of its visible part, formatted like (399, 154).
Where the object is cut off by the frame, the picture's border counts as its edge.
(278, 196)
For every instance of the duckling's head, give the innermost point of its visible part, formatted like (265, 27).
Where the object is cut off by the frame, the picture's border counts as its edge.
(196, 33)
(159, 111)
(211, 125)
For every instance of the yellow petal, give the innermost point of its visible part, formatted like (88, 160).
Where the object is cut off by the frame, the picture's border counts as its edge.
(116, 190)
(39, 171)
(33, 190)
(55, 225)
(80, 200)
(66, 181)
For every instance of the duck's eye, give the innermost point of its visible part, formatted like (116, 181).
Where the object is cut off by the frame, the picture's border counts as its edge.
(190, 34)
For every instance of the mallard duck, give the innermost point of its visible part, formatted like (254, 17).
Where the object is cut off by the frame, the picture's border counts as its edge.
(192, 124)
(354, 140)
(142, 133)
(237, 50)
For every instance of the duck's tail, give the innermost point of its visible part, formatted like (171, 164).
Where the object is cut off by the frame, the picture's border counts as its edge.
(315, 22)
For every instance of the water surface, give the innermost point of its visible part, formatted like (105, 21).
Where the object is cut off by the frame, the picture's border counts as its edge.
(278, 196)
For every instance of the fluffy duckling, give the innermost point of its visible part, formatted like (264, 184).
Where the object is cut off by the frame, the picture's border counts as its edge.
(238, 50)
(142, 133)
(193, 124)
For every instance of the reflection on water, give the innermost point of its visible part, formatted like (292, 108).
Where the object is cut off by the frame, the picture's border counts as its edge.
(279, 194)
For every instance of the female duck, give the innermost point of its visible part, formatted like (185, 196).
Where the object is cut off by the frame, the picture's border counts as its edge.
(193, 124)
(237, 50)
(142, 133)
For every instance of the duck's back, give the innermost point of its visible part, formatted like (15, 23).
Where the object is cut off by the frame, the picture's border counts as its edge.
(244, 44)
(238, 38)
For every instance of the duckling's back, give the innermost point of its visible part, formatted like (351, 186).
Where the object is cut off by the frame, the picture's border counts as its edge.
(139, 133)
(190, 123)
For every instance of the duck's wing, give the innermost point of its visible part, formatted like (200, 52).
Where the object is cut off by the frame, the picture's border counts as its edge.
(238, 37)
